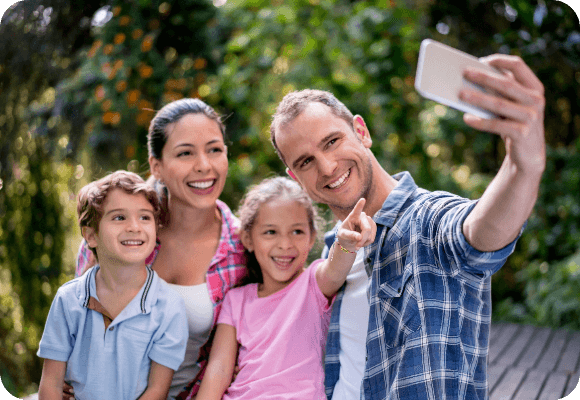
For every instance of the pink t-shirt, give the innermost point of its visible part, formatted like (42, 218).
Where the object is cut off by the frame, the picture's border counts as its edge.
(282, 339)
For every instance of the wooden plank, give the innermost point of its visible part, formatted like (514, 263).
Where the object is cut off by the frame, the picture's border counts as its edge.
(502, 341)
(517, 346)
(532, 385)
(573, 384)
(509, 384)
(569, 361)
(551, 356)
(535, 349)
(494, 374)
(494, 332)
(554, 387)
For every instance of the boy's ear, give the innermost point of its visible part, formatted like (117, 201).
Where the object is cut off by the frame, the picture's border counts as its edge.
(246, 240)
(90, 236)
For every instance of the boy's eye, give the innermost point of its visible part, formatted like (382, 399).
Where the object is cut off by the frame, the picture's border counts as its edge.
(270, 232)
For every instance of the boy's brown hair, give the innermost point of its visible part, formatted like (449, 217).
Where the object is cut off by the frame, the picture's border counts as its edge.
(92, 196)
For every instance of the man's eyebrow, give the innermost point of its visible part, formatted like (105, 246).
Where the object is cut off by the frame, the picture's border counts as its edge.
(322, 142)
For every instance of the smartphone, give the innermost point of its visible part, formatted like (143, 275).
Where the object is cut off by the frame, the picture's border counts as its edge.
(440, 76)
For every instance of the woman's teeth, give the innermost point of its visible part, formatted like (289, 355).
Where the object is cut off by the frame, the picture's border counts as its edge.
(340, 180)
(201, 185)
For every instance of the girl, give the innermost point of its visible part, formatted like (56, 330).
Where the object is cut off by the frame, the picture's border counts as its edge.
(198, 253)
(279, 322)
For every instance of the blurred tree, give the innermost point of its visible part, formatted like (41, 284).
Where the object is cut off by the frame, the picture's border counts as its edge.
(38, 41)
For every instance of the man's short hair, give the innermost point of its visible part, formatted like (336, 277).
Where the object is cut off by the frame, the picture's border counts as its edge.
(92, 196)
(295, 102)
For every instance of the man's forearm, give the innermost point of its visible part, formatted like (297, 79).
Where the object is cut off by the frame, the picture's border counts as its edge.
(502, 210)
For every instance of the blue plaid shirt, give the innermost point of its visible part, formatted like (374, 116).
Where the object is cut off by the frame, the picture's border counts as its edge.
(430, 301)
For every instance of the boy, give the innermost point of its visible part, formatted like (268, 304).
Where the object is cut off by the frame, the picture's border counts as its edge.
(118, 331)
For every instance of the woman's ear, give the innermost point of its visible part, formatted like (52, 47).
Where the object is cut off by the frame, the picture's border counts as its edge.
(154, 165)
(246, 240)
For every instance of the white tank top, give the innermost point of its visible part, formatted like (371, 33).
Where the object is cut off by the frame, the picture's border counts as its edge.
(353, 325)
(199, 311)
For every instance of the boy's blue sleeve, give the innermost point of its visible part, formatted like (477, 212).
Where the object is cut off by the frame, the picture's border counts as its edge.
(169, 344)
(56, 343)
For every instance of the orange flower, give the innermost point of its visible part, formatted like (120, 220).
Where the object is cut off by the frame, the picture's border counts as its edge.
(145, 71)
(108, 49)
(118, 64)
(124, 20)
(147, 43)
(200, 63)
(145, 105)
(100, 93)
(171, 96)
(153, 24)
(94, 48)
(106, 106)
(116, 10)
(137, 33)
(129, 151)
(121, 86)
(119, 38)
(106, 68)
(112, 118)
(133, 96)
(144, 118)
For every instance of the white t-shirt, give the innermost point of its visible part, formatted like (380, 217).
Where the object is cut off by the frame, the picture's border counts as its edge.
(199, 311)
(354, 320)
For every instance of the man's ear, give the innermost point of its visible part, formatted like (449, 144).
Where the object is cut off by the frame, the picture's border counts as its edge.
(246, 240)
(289, 172)
(361, 130)
(90, 236)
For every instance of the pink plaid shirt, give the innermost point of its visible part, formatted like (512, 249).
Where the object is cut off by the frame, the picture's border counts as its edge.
(227, 269)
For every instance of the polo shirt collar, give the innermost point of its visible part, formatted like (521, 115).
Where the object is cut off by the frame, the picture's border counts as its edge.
(395, 200)
(142, 303)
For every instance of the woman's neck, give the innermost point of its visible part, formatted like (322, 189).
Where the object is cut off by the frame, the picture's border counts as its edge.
(188, 221)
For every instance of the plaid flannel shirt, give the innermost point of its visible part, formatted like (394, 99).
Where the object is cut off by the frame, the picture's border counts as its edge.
(430, 301)
(227, 269)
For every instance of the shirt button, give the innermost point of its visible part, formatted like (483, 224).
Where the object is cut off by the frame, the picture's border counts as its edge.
(112, 328)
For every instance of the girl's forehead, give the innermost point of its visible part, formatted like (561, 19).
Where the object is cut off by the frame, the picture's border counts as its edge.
(282, 210)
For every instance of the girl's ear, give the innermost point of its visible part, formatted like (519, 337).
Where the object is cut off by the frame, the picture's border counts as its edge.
(90, 236)
(246, 240)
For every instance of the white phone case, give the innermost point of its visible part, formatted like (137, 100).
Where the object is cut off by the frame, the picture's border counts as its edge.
(440, 76)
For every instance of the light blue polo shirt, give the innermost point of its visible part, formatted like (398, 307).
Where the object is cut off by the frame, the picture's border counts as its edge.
(114, 363)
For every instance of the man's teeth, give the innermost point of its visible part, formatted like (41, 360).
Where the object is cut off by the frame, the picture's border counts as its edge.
(201, 185)
(340, 180)
(132, 242)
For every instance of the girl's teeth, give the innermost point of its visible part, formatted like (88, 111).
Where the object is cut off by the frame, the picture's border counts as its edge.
(285, 260)
(340, 181)
(132, 242)
(202, 185)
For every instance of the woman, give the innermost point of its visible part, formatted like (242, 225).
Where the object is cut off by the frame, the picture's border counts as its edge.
(199, 252)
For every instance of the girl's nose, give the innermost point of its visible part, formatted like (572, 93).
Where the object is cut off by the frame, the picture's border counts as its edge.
(285, 242)
(133, 225)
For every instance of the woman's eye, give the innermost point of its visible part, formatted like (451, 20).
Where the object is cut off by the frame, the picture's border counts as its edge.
(216, 150)
(184, 153)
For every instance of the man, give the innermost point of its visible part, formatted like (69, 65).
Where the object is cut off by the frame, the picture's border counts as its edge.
(428, 272)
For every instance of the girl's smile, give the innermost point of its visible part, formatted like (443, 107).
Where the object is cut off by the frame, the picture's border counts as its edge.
(281, 240)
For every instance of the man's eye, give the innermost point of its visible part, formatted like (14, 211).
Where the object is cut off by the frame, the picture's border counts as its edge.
(306, 162)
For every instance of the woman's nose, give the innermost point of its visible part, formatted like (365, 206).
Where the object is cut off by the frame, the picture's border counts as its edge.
(202, 163)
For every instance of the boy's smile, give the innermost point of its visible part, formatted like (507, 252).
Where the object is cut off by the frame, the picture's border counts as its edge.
(127, 229)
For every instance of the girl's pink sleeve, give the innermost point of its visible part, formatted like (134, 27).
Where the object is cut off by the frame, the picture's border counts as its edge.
(85, 259)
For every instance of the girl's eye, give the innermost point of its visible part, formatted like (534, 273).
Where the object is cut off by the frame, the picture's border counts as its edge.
(146, 217)
(298, 232)
(119, 218)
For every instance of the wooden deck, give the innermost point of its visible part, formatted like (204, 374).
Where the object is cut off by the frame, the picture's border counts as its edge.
(531, 363)
(528, 363)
